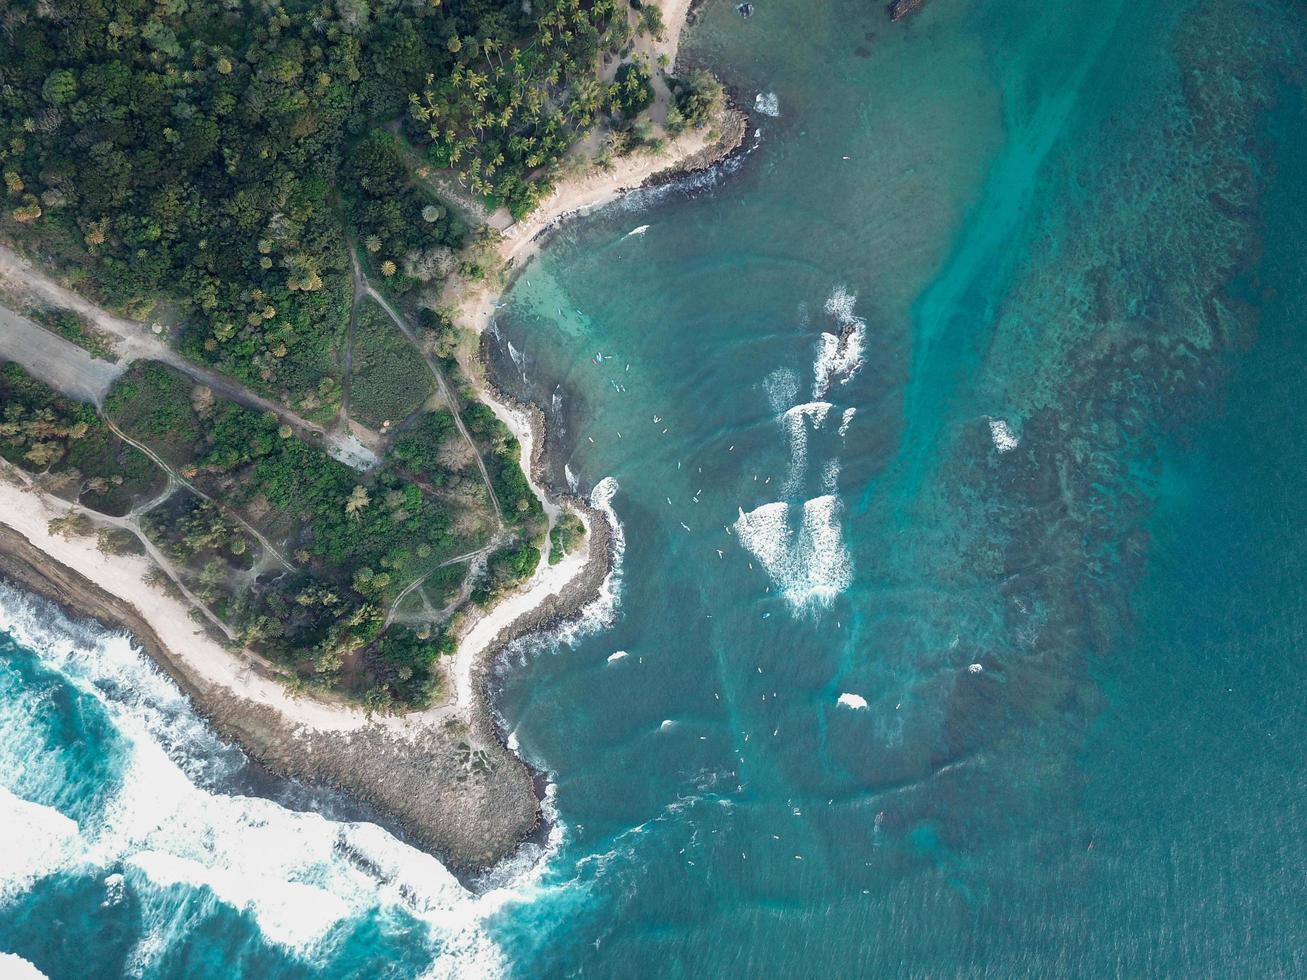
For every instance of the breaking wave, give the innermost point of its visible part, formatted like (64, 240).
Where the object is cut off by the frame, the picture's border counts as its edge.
(689, 184)
(1001, 434)
(767, 103)
(809, 565)
(160, 830)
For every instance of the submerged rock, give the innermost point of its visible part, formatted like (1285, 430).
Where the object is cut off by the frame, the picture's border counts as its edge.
(902, 8)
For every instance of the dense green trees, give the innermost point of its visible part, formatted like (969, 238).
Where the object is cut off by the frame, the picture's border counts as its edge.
(207, 166)
(393, 219)
(216, 157)
(500, 114)
(503, 456)
(632, 90)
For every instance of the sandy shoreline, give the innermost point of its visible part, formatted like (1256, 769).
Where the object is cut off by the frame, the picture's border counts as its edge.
(444, 777)
(473, 304)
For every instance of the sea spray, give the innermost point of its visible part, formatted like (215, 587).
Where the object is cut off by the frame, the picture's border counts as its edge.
(602, 612)
(767, 103)
(839, 356)
(809, 565)
(304, 878)
(1001, 434)
(797, 421)
(782, 387)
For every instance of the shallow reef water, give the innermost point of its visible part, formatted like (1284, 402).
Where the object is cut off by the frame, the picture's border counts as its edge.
(954, 437)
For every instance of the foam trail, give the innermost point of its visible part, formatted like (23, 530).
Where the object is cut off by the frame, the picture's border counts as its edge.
(846, 420)
(782, 389)
(796, 421)
(518, 360)
(830, 475)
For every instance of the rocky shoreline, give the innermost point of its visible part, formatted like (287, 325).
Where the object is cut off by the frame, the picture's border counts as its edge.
(445, 780)
(429, 783)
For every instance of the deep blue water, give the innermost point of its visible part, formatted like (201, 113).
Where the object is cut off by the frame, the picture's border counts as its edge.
(973, 648)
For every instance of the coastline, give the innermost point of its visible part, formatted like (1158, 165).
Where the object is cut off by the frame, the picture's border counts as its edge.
(472, 304)
(445, 777)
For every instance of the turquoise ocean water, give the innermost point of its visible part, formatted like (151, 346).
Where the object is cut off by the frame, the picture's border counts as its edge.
(971, 646)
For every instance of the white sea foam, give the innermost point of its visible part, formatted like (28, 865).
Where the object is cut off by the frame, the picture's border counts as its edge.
(809, 565)
(846, 420)
(855, 701)
(797, 421)
(114, 886)
(839, 356)
(637, 231)
(830, 475)
(782, 389)
(840, 305)
(300, 875)
(568, 475)
(619, 655)
(1005, 440)
(39, 840)
(767, 103)
(688, 184)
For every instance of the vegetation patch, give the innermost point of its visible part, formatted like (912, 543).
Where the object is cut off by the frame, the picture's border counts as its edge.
(389, 380)
(565, 537)
(507, 568)
(503, 456)
(67, 443)
(71, 325)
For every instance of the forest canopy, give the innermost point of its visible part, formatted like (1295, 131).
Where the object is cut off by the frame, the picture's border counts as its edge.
(219, 156)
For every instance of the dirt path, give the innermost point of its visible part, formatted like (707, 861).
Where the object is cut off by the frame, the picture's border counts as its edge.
(138, 342)
(393, 611)
(175, 477)
(133, 527)
(58, 362)
(361, 285)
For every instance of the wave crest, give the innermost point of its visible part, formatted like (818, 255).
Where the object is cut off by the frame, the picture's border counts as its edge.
(809, 565)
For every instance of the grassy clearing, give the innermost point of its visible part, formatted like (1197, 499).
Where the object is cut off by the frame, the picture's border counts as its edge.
(389, 380)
